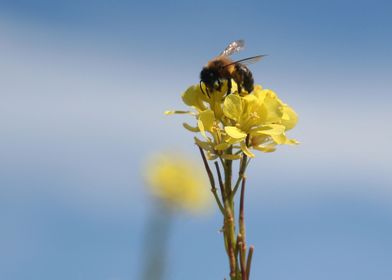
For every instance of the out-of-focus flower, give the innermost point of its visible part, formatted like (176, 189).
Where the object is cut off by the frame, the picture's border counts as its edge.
(178, 182)
(258, 120)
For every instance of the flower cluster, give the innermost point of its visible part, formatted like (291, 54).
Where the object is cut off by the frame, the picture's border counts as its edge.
(238, 122)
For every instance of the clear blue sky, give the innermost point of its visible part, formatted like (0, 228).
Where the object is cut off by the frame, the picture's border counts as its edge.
(83, 85)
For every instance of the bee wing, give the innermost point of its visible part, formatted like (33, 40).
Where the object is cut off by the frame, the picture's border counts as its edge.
(233, 47)
(248, 60)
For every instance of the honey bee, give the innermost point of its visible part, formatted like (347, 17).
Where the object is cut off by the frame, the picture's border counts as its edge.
(223, 68)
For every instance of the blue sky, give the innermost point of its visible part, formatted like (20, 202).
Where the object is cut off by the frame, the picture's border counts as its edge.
(83, 85)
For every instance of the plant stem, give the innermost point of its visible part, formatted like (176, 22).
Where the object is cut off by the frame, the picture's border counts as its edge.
(235, 246)
(242, 260)
(229, 218)
(212, 181)
(221, 185)
(230, 236)
(241, 220)
(241, 173)
(249, 261)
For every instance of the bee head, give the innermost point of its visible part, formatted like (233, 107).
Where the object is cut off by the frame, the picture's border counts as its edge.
(209, 76)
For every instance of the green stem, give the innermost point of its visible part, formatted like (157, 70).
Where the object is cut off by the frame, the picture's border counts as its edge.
(243, 165)
(249, 261)
(235, 246)
(230, 237)
(221, 185)
(242, 259)
(241, 220)
(212, 181)
(228, 165)
(229, 218)
(241, 173)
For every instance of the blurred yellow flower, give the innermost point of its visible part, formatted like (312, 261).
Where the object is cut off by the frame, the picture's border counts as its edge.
(178, 182)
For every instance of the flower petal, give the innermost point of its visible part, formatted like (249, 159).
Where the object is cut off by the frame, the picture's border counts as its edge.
(271, 129)
(207, 118)
(231, 156)
(282, 139)
(289, 118)
(190, 128)
(194, 97)
(266, 149)
(232, 107)
(235, 132)
(203, 144)
(246, 150)
(169, 112)
(201, 128)
(222, 146)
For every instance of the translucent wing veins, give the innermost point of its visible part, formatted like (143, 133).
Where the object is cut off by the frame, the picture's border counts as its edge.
(234, 47)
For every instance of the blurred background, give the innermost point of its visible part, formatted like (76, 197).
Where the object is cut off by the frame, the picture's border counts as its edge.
(83, 88)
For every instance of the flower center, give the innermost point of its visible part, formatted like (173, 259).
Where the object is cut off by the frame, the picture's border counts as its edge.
(254, 115)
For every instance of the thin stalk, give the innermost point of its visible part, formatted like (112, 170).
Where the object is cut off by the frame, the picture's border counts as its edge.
(212, 181)
(249, 261)
(228, 165)
(221, 185)
(241, 173)
(229, 224)
(222, 189)
(241, 220)
(242, 261)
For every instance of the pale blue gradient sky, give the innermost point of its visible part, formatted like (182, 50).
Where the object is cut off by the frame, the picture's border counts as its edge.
(83, 85)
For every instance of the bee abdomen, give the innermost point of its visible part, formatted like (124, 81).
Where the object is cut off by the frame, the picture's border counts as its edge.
(246, 77)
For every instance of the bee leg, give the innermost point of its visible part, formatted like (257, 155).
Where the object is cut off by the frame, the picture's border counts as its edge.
(201, 89)
(228, 86)
(239, 88)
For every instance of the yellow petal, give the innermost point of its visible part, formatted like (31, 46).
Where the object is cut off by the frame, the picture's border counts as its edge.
(207, 118)
(290, 118)
(250, 98)
(235, 132)
(202, 144)
(201, 128)
(194, 97)
(271, 129)
(257, 89)
(232, 107)
(222, 146)
(191, 128)
(178, 112)
(271, 105)
(292, 142)
(282, 139)
(266, 149)
(279, 139)
(246, 151)
(234, 86)
(230, 156)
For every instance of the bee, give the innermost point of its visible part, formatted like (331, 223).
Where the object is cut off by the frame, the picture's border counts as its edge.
(222, 68)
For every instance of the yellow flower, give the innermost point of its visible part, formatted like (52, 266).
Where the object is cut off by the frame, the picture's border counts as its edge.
(257, 120)
(178, 182)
